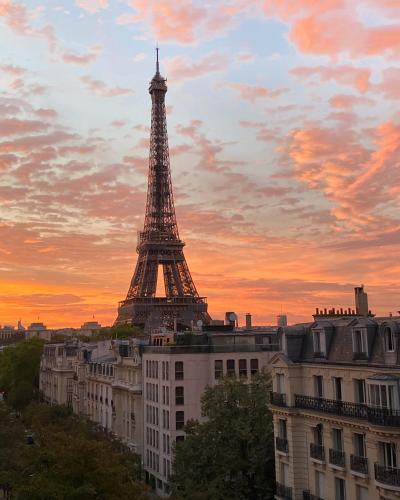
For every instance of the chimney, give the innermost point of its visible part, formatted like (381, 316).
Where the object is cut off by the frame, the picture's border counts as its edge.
(361, 300)
(248, 320)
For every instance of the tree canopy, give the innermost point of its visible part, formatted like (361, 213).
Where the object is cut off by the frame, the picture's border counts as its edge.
(231, 455)
(19, 372)
(68, 460)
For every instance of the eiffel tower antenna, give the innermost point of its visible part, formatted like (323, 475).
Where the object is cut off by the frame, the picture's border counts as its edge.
(159, 244)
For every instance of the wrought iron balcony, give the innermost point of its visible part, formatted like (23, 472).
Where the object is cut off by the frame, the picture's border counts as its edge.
(337, 457)
(360, 356)
(317, 451)
(359, 464)
(384, 416)
(309, 496)
(387, 475)
(277, 398)
(333, 406)
(284, 492)
(282, 444)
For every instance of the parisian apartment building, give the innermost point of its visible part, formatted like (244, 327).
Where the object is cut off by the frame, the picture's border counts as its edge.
(143, 391)
(336, 406)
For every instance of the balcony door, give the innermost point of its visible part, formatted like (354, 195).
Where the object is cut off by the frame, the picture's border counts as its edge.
(388, 454)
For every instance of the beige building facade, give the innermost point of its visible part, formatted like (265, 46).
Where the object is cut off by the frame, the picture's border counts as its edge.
(174, 379)
(336, 409)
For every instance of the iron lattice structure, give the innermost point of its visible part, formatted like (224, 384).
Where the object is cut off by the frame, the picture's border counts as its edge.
(159, 243)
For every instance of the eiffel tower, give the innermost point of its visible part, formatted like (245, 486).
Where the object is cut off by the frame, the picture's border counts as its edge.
(159, 244)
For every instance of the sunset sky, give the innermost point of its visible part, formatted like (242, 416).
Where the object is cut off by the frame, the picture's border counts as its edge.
(284, 134)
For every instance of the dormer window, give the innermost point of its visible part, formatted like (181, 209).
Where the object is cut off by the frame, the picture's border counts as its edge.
(360, 344)
(389, 339)
(319, 343)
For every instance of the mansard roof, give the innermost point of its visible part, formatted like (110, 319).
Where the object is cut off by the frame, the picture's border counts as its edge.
(299, 346)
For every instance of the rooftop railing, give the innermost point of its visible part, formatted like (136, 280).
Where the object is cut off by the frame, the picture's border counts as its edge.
(199, 349)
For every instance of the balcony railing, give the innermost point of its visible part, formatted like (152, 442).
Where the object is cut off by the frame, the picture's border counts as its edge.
(309, 496)
(333, 406)
(360, 356)
(359, 464)
(282, 444)
(387, 475)
(337, 457)
(277, 399)
(317, 451)
(384, 416)
(284, 492)
(377, 416)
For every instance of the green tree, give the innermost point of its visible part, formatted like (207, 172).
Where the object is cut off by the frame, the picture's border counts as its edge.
(69, 459)
(231, 455)
(19, 372)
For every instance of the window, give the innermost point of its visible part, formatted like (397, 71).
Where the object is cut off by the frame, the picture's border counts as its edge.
(253, 366)
(340, 489)
(282, 428)
(318, 386)
(218, 369)
(243, 368)
(180, 439)
(319, 484)
(337, 388)
(318, 436)
(381, 396)
(360, 345)
(285, 474)
(179, 370)
(337, 439)
(359, 391)
(387, 454)
(359, 445)
(180, 420)
(361, 493)
(280, 383)
(389, 339)
(179, 395)
(319, 342)
(230, 367)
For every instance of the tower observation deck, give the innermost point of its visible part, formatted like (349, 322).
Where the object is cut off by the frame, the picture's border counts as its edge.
(159, 245)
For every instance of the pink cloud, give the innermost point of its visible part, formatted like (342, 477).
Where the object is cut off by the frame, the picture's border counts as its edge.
(181, 68)
(82, 59)
(101, 88)
(342, 74)
(348, 101)
(389, 85)
(13, 126)
(253, 92)
(92, 6)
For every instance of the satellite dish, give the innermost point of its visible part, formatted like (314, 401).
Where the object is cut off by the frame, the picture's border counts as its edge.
(232, 317)
(199, 323)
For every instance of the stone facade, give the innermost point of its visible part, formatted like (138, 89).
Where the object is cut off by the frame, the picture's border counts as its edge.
(336, 409)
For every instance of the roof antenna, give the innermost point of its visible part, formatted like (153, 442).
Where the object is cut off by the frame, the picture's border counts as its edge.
(158, 64)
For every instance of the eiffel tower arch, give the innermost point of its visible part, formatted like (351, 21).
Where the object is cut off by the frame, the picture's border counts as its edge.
(159, 245)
